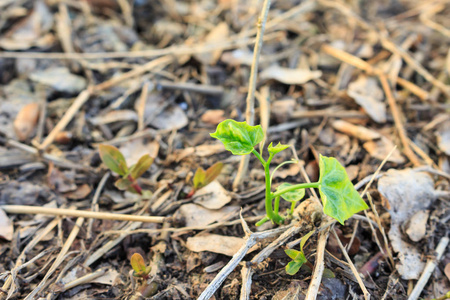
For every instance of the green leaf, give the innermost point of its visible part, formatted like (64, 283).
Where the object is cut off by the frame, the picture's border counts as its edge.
(138, 264)
(202, 178)
(277, 148)
(141, 166)
(199, 178)
(327, 273)
(292, 196)
(339, 197)
(113, 159)
(124, 184)
(305, 238)
(292, 267)
(295, 255)
(238, 137)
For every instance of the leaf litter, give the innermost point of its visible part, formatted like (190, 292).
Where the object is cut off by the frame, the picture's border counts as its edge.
(320, 101)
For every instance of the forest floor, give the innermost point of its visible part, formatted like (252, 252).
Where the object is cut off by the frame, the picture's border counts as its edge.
(345, 79)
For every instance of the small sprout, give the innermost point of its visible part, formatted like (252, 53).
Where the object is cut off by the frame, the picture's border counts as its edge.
(138, 265)
(114, 160)
(202, 178)
(339, 197)
(298, 257)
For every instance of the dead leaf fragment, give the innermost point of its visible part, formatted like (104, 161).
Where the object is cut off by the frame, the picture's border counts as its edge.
(380, 149)
(227, 245)
(213, 116)
(407, 192)
(447, 270)
(171, 118)
(360, 132)
(60, 79)
(368, 95)
(416, 228)
(6, 226)
(443, 137)
(217, 34)
(289, 76)
(197, 215)
(212, 196)
(81, 192)
(26, 121)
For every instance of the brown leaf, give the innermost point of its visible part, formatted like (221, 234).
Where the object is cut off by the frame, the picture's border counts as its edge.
(26, 121)
(289, 76)
(81, 192)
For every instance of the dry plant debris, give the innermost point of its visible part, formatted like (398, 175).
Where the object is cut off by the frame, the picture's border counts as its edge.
(345, 79)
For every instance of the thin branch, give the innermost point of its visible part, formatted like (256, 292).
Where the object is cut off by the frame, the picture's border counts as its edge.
(319, 266)
(429, 269)
(23, 209)
(352, 266)
(250, 110)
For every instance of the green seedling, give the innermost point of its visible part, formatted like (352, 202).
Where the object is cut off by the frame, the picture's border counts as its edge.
(140, 270)
(298, 257)
(339, 197)
(114, 160)
(202, 178)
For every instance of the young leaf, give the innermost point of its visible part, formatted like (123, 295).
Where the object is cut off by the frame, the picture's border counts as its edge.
(138, 264)
(292, 267)
(339, 197)
(295, 254)
(124, 184)
(238, 137)
(113, 159)
(141, 166)
(277, 148)
(292, 196)
(212, 172)
(199, 178)
(305, 238)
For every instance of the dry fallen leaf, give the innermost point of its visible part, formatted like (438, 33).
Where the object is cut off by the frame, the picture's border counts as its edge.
(283, 109)
(368, 95)
(416, 227)
(31, 31)
(60, 79)
(380, 149)
(408, 192)
(196, 215)
(227, 245)
(443, 137)
(213, 116)
(135, 149)
(6, 226)
(26, 121)
(217, 34)
(212, 196)
(171, 118)
(81, 192)
(289, 76)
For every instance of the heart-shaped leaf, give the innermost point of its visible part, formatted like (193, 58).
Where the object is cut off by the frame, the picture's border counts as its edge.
(141, 166)
(238, 137)
(277, 148)
(113, 159)
(339, 197)
(292, 196)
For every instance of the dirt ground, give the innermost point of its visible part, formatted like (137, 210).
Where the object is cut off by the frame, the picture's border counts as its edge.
(366, 82)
